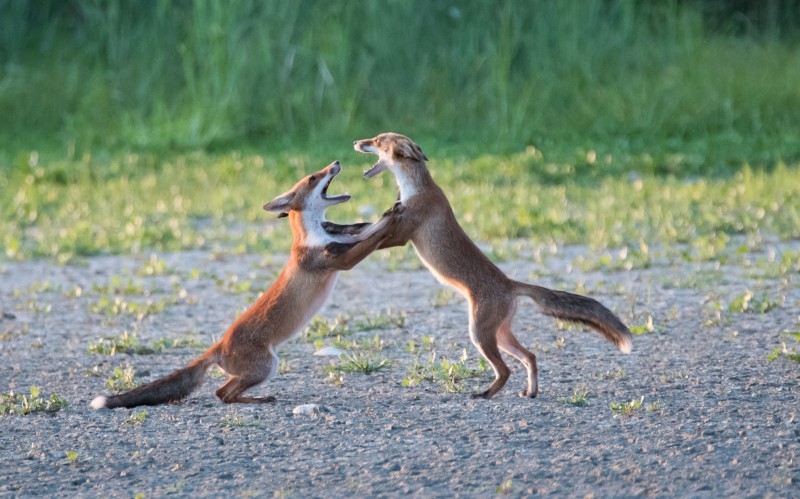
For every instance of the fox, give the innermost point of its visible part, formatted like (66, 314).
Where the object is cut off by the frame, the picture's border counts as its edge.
(246, 352)
(453, 258)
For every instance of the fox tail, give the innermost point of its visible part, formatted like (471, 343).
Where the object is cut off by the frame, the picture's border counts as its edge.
(170, 388)
(577, 308)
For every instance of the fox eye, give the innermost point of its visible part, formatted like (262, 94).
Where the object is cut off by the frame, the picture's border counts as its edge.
(312, 179)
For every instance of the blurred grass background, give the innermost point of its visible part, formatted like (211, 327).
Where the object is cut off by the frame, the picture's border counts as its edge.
(114, 107)
(204, 73)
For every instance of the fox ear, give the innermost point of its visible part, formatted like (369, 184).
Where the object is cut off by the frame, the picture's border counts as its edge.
(410, 150)
(281, 203)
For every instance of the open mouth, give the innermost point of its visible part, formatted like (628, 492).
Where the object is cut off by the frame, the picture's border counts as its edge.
(377, 167)
(341, 198)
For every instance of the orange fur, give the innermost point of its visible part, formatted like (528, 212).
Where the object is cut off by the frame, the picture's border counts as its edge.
(247, 350)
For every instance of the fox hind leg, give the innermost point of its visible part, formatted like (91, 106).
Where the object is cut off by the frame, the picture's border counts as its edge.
(483, 329)
(231, 391)
(509, 344)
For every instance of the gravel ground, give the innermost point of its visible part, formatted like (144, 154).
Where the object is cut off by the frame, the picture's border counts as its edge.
(717, 417)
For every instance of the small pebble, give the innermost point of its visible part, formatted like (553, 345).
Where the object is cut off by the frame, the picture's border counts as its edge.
(328, 352)
(309, 409)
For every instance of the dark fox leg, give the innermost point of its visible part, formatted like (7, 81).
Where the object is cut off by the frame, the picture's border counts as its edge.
(351, 229)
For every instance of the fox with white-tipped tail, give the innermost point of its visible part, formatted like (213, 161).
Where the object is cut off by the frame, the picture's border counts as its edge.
(247, 350)
(429, 223)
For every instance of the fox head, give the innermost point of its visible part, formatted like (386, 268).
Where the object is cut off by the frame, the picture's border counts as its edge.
(310, 195)
(395, 152)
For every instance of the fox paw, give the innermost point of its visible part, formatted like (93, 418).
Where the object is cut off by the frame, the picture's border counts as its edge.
(332, 228)
(397, 209)
(481, 395)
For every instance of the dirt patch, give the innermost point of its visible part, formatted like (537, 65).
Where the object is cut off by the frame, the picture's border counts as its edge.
(712, 415)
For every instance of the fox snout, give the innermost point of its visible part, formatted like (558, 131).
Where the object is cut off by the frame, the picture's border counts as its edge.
(364, 146)
(334, 168)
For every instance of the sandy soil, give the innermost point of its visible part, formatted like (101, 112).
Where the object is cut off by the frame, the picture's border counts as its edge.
(717, 418)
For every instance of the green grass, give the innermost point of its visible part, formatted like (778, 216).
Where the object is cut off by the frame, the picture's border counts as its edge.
(137, 418)
(118, 306)
(449, 375)
(359, 362)
(579, 397)
(624, 125)
(11, 331)
(635, 406)
(382, 320)
(750, 302)
(235, 420)
(344, 325)
(647, 327)
(364, 357)
(122, 379)
(28, 403)
(213, 201)
(204, 74)
(626, 408)
(789, 349)
(320, 328)
(504, 488)
(129, 343)
(615, 374)
(117, 286)
(441, 297)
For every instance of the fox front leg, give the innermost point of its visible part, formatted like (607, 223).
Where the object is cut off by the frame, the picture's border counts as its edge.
(351, 229)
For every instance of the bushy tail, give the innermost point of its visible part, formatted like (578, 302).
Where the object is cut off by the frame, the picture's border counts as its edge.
(577, 308)
(170, 388)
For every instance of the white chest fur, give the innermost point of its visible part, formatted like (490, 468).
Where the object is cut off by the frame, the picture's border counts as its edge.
(405, 184)
(316, 237)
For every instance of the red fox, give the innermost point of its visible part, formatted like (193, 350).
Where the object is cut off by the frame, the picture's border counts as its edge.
(247, 350)
(446, 250)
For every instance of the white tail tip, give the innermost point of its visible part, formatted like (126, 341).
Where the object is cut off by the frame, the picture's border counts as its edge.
(100, 402)
(625, 346)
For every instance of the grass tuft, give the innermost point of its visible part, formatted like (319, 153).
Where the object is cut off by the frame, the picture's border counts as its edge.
(749, 302)
(320, 328)
(122, 379)
(21, 403)
(129, 343)
(579, 397)
(789, 348)
(137, 418)
(647, 327)
(359, 362)
(627, 408)
(382, 320)
(449, 375)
